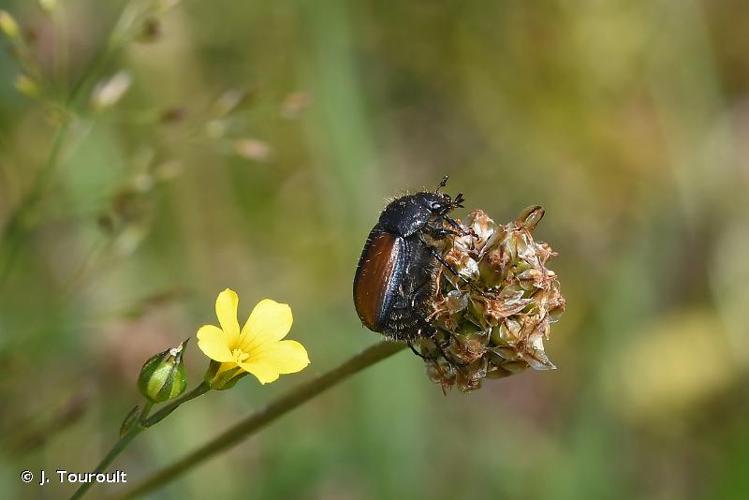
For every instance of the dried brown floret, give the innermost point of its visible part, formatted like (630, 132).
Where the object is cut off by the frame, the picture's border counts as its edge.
(493, 316)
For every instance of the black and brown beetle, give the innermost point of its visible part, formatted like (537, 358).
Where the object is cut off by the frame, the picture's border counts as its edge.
(397, 273)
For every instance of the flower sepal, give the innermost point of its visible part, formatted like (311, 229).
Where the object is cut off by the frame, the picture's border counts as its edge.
(130, 419)
(219, 380)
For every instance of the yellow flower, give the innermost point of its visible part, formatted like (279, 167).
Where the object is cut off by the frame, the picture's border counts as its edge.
(257, 348)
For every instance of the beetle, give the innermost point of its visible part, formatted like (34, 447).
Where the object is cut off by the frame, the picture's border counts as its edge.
(397, 272)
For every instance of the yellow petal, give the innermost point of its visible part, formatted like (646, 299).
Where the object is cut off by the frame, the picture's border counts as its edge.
(226, 311)
(268, 323)
(264, 372)
(214, 343)
(287, 356)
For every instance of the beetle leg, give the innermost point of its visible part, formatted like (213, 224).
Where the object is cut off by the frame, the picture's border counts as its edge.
(459, 230)
(441, 348)
(437, 256)
(444, 354)
(413, 349)
(444, 344)
(454, 223)
(439, 233)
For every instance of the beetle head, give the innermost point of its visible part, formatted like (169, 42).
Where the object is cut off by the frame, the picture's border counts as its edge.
(442, 203)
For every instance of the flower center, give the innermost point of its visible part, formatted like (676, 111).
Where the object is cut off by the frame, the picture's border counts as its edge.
(239, 355)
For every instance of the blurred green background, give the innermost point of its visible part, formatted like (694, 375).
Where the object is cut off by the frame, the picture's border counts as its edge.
(253, 149)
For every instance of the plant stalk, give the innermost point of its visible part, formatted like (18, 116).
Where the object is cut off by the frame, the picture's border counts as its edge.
(144, 422)
(169, 408)
(13, 229)
(256, 421)
(120, 445)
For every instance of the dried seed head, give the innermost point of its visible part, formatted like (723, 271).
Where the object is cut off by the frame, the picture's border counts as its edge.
(252, 149)
(9, 26)
(48, 5)
(294, 105)
(150, 31)
(108, 92)
(173, 114)
(492, 318)
(27, 86)
(230, 101)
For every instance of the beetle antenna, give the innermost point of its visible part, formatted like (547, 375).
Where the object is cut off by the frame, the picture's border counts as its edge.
(442, 184)
(458, 202)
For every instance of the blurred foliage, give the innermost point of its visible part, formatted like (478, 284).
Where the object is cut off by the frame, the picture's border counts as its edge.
(252, 147)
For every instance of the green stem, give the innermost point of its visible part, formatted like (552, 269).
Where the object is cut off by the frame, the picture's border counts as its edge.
(143, 423)
(14, 227)
(166, 410)
(268, 414)
(14, 230)
(118, 447)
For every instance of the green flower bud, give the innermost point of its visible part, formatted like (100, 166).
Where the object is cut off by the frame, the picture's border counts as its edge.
(163, 376)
